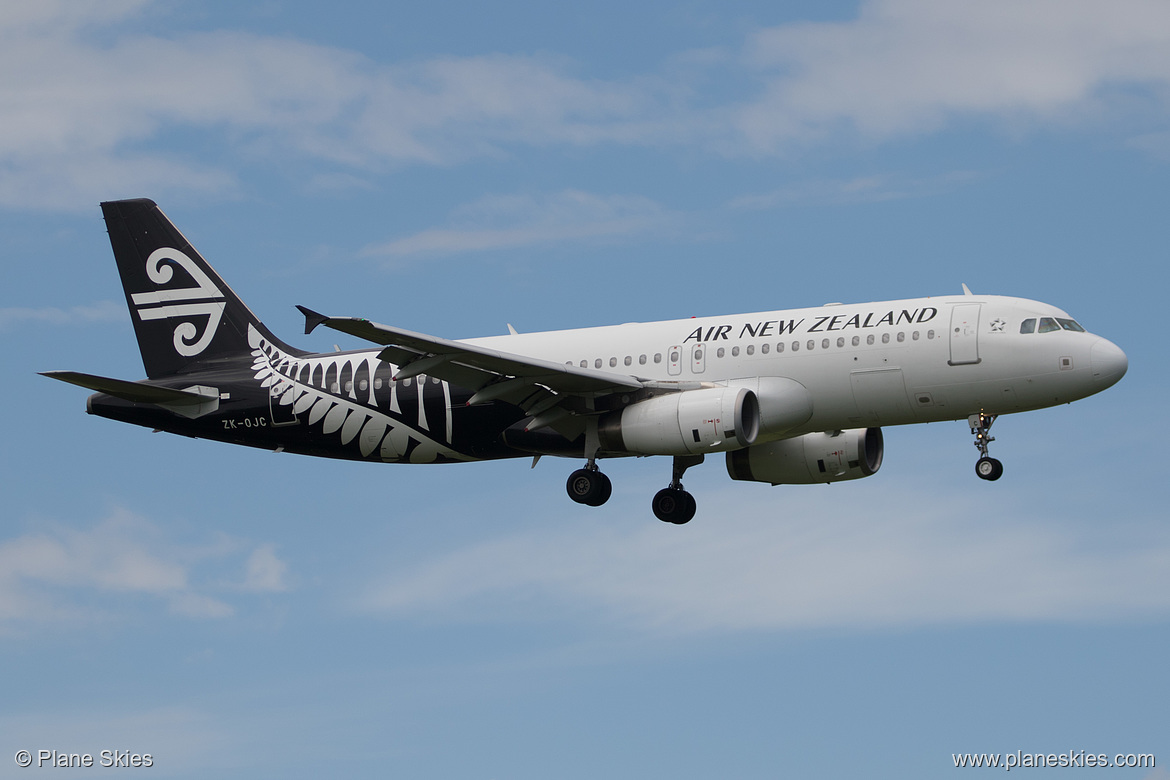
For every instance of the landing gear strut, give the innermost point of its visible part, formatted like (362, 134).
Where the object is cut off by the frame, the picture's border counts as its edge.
(986, 467)
(589, 486)
(673, 504)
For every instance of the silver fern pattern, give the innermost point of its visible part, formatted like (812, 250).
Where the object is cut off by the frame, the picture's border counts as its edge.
(337, 394)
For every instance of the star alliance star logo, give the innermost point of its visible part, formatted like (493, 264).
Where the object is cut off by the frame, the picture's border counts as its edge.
(997, 325)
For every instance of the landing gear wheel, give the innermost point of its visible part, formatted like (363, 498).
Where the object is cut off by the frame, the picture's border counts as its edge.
(989, 469)
(589, 487)
(986, 467)
(674, 505)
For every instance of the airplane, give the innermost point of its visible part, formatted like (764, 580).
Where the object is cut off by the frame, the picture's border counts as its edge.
(787, 397)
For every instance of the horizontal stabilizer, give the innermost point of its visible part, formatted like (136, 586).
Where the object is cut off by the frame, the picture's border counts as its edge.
(191, 402)
(312, 319)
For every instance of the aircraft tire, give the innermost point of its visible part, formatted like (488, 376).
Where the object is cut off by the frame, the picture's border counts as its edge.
(603, 492)
(674, 505)
(989, 469)
(589, 487)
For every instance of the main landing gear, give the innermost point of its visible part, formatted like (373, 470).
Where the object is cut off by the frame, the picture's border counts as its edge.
(673, 504)
(589, 486)
(986, 467)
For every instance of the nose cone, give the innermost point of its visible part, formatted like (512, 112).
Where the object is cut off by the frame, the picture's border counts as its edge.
(1108, 361)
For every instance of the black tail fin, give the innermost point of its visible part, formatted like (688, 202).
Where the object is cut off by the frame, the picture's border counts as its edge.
(185, 316)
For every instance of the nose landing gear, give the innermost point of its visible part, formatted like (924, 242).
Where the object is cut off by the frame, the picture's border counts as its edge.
(986, 467)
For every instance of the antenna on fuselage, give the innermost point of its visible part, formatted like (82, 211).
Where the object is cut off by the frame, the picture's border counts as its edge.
(966, 290)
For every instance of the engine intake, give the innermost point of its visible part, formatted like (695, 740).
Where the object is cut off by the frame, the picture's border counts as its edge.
(691, 422)
(810, 459)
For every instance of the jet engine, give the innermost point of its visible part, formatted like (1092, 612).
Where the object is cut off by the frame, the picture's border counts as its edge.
(784, 404)
(690, 422)
(815, 457)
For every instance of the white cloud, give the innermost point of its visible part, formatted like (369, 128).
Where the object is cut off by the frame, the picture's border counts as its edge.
(21, 18)
(1157, 145)
(861, 189)
(872, 559)
(510, 222)
(75, 574)
(265, 572)
(82, 117)
(911, 66)
(81, 111)
(102, 311)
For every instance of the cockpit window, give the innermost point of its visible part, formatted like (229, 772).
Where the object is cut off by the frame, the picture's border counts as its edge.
(1048, 324)
(1072, 325)
(1028, 325)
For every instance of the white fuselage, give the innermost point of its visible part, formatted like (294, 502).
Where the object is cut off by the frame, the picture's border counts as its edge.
(831, 368)
(886, 363)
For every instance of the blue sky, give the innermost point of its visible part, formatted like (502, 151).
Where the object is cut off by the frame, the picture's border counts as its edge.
(452, 169)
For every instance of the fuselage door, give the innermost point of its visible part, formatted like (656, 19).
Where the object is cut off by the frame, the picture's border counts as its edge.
(965, 334)
(280, 407)
(674, 361)
(698, 358)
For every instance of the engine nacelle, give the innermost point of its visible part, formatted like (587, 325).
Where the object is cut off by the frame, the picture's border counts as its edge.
(810, 459)
(691, 422)
(784, 404)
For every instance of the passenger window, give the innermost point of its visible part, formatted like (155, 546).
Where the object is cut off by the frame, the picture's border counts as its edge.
(1028, 325)
(764, 348)
(629, 360)
(751, 349)
(657, 357)
(779, 346)
(1070, 325)
(641, 360)
(720, 352)
(1048, 324)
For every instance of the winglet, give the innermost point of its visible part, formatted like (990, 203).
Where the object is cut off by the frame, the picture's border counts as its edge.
(312, 319)
(966, 290)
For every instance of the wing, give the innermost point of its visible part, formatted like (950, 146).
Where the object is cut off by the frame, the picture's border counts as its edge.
(545, 390)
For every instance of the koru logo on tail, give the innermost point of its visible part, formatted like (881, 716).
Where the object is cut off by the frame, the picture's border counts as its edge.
(203, 300)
